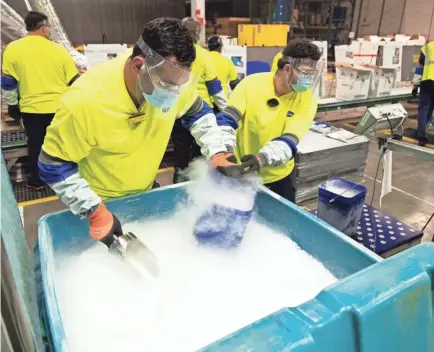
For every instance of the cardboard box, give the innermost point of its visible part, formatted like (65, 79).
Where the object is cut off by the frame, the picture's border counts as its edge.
(229, 25)
(263, 34)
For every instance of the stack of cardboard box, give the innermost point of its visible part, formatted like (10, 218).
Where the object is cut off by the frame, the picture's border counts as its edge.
(229, 25)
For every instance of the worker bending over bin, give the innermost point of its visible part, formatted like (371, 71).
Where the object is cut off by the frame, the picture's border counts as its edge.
(226, 71)
(424, 79)
(35, 72)
(112, 127)
(210, 90)
(271, 112)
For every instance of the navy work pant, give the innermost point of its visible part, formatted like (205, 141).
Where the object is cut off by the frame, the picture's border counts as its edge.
(36, 128)
(426, 107)
(185, 147)
(284, 187)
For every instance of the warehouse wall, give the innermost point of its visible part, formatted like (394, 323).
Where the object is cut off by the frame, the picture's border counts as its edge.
(121, 20)
(397, 16)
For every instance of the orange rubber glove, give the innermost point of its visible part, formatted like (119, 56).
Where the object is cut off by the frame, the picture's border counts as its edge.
(104, 226)
(227, 167)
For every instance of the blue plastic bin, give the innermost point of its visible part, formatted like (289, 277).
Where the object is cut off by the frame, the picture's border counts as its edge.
(376, 306)
(340, 204)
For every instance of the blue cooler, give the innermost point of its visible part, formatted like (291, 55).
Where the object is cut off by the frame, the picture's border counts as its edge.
(225, 218)
(340, 204)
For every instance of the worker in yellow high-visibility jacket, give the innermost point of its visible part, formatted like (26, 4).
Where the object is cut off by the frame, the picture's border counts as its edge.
(424, 79)
(35, 73)
(226, 71)
(210, 90)
(112, 127)
(270, 113)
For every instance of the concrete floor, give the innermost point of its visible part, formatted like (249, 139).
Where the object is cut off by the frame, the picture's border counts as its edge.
(411, 201)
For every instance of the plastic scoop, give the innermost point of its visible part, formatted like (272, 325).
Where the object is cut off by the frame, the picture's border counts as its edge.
(136, 253)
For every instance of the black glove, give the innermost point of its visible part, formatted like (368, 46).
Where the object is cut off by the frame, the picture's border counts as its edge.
(414, 91)
(14, 112)
(251, 163)
(222, 162)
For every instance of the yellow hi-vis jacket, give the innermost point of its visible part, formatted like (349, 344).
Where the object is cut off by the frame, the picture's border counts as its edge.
(260, 122)
(117, 146)
(428, 68)
(204, 67)
(226, 71)
(42, 70)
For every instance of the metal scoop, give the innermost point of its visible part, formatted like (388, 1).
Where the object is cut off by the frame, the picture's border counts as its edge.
(136, 253)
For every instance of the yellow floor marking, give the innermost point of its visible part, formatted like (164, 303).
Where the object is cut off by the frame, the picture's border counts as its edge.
(37, 201)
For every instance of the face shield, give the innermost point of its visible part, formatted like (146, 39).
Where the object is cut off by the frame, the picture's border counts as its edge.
(161, 81)
(305, 73)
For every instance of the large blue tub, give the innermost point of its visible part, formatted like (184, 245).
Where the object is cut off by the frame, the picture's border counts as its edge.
(376, 306)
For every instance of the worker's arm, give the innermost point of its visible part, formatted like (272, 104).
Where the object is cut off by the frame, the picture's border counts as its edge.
(417, 78)
(69, 67)
(214, 86)
(202, 124)
(229, 119)
(9, 84)
(282, 149)
(233, 75)
(67, 142)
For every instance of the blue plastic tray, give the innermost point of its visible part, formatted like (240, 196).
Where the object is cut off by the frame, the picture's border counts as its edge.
(390, 302)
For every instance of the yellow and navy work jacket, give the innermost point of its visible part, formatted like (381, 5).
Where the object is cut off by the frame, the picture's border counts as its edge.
(425, 67)
(100, 145)
(209, 86)
(226, 71)
(268, 125)
(35, 73)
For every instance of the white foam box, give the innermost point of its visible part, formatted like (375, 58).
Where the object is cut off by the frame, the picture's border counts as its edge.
(391, 56)
(344, 54)
(321, 66)
(382, 81)
(353, 83)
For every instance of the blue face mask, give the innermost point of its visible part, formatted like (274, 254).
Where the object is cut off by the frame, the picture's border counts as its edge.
(161, 98)
(303, 84)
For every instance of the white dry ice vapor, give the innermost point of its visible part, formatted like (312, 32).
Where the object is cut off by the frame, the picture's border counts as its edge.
(201, 295)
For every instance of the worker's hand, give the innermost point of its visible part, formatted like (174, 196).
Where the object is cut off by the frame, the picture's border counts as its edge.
(414, 91)
(251, 163)
(223, 162)
(14, 112)
(104, 226)
(231, 157)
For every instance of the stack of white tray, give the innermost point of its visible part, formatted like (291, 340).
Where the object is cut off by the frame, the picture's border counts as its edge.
(320, 158)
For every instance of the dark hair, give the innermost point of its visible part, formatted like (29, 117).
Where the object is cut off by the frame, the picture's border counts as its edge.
(168, 37)
(34, 20)
(299, 49)
(192, 26)
(214, 42)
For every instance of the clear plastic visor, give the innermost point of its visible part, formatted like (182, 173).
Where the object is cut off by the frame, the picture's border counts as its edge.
(163, 73)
